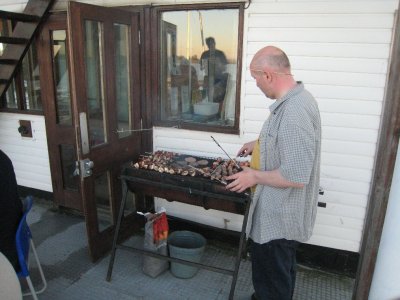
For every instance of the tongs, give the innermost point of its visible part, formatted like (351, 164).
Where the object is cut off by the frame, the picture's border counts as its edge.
(236, 164)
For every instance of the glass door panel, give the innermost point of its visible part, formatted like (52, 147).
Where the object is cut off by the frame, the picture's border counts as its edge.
(122, 80)
(61, 77)
(103, 196)
(94, 63)
(68, 158)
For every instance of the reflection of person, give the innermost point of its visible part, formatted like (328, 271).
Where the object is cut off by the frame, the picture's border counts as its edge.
(214, 62)
(285, 172)
(10, 210)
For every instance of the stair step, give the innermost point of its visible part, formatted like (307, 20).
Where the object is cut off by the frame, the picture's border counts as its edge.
(3, 81)
(13, 40)
(18, 16)
(5, 61)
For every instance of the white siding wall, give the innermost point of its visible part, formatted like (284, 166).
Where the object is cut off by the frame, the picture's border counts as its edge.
(30, 156)
(339, 49)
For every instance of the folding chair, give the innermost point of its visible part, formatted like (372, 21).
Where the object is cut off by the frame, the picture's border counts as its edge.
(23, 239)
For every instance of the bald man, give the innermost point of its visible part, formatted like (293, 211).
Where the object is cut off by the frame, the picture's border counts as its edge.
(284, 175)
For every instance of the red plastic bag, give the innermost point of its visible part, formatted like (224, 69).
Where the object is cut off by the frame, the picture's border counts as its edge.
(160, 229)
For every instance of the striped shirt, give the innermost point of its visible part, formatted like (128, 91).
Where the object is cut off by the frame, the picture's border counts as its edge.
(290, 141)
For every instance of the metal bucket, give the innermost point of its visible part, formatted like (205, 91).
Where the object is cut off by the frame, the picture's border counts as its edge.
(185, 245)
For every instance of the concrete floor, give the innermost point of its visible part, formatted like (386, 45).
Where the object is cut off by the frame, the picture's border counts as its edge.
(61, 244)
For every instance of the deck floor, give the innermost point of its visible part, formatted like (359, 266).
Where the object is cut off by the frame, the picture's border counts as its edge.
(61, 244)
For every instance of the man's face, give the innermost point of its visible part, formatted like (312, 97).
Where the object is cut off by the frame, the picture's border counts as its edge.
(263, 80)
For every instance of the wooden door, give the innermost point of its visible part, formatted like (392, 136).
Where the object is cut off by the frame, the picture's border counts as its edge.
(104, 54)
(52, 47)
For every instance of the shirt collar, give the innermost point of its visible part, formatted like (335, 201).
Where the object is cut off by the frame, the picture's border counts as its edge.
(299, 87)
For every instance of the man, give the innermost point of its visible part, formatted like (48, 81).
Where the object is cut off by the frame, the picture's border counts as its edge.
(286, 176)
(10, 210)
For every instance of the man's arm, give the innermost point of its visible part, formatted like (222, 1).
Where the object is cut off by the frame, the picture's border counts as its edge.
(250, 177)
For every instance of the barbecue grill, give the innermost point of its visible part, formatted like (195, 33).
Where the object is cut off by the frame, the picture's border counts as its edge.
(192, 189)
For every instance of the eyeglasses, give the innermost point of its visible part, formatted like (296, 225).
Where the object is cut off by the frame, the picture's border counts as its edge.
(277, 73)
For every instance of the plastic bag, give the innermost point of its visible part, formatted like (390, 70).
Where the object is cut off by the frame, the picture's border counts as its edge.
(155, 240)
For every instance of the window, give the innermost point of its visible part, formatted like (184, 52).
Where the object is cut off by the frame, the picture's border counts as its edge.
(199, 67)
(24, 91)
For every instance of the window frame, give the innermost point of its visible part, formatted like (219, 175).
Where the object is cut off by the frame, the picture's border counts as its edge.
(20, 90)
(156, 67)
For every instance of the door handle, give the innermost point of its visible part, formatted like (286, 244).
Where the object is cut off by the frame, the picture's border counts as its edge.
(86, 166)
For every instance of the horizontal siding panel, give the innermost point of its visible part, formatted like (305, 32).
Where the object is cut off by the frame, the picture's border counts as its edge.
(345, 199)
(41, 170)
(338, 221)
(250, 127)
(343, 210)
(336, 64)
(39, 185)
(350, 106)
(327, 20)
(40, 160)
(257, 101)
(349, 50)
(346, 106)
(337, 233)
(347, 147)
(340, 64)
(350, 121)
(346, 160)
(256, 114)
(346, 92)
(331, 91)
(345, 186)
(320, 35)
(341, 78)
(15, 7)
(30, 156)
(14, 137)
(336, 78)
(350, 134)
(19, 151)
(334, 243)
(334, 7)
(360, 175)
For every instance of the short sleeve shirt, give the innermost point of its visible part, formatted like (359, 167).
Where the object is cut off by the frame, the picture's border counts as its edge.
(290, 141)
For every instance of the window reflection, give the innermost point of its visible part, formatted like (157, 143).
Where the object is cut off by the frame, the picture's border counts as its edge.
(102, 192)
(199, 66)
(94, 63)
(31, 81)
(61, 77)
(122, 90)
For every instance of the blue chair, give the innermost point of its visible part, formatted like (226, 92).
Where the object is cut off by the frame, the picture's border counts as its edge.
(24, 242)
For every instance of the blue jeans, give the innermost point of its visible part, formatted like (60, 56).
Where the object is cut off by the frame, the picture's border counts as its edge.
(274, 269)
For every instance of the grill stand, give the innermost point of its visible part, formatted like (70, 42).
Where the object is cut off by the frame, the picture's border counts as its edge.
(190, 191)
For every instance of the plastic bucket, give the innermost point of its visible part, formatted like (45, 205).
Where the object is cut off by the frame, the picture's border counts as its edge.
(185, 245)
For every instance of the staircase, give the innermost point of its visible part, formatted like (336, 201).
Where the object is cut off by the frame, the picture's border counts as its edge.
(16, 45)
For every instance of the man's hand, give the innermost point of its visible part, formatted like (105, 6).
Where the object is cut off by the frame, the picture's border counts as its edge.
(246, 149)
(242, 180)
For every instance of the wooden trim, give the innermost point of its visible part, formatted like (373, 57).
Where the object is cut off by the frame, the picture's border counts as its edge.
(383, 173)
